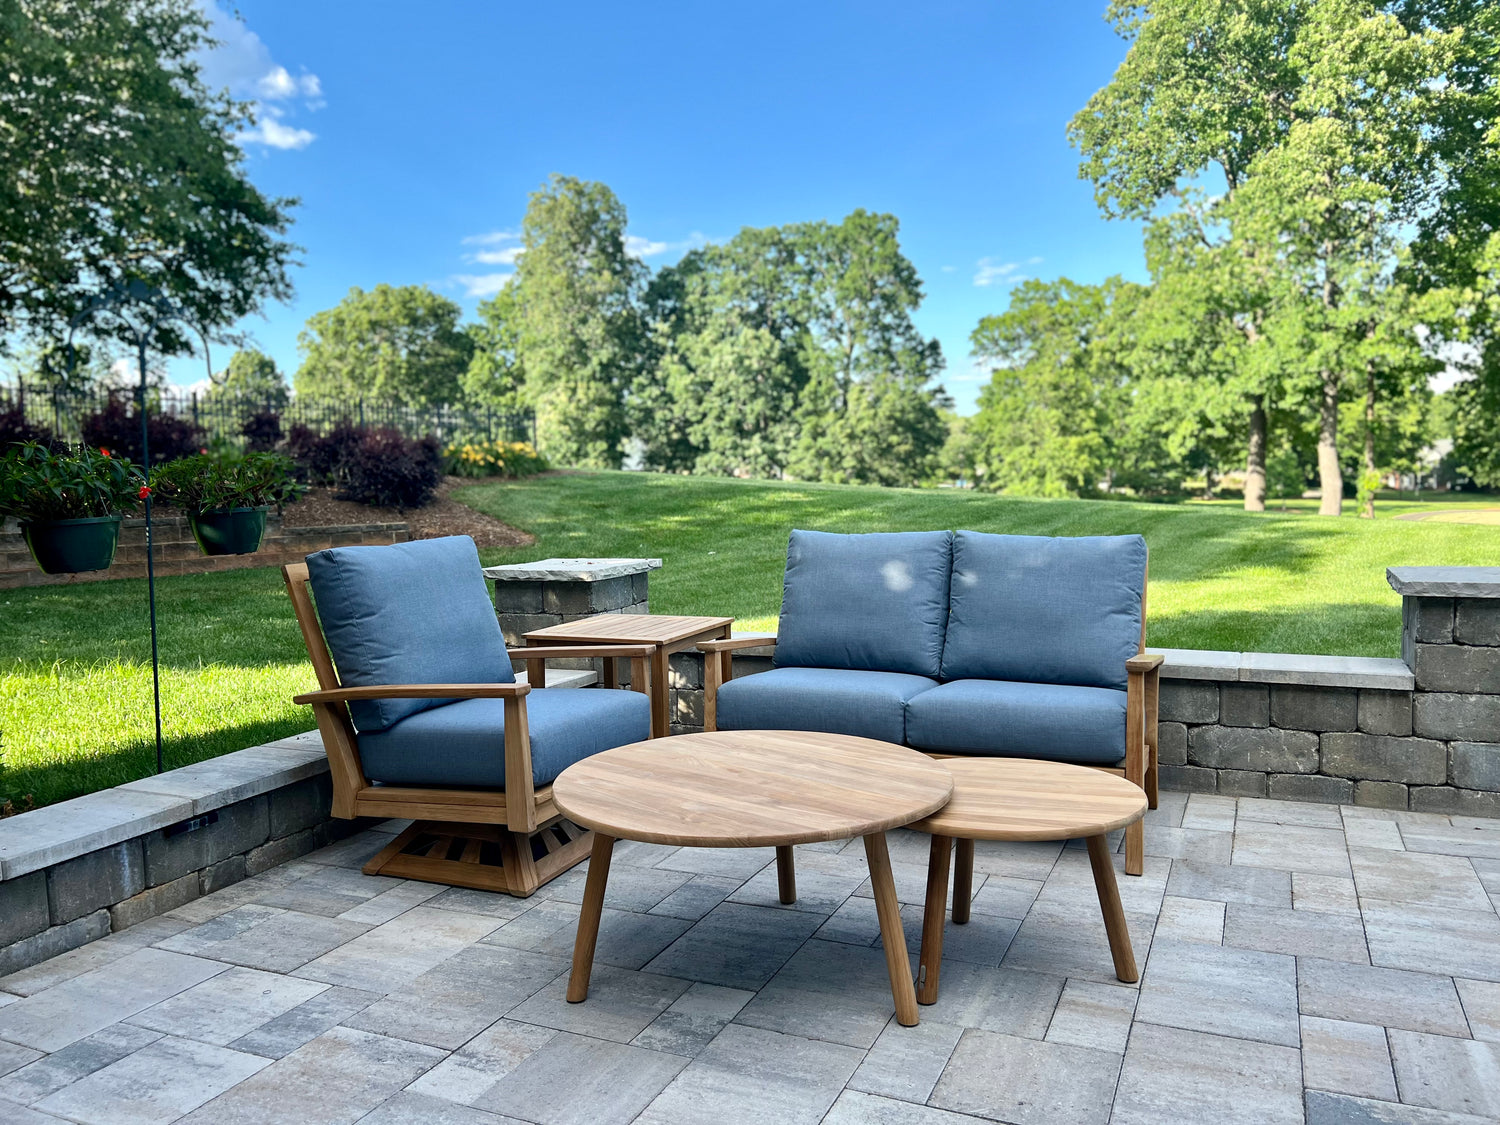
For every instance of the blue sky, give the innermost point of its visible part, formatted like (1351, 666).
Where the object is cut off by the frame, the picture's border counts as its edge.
(413, 135)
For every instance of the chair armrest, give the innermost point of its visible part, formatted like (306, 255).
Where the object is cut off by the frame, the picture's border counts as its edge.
(731, 644)
(413, 691)
(1145, 662)
(559, 652)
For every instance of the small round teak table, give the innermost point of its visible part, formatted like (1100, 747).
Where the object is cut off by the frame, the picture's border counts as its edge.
(1022, 799)
(747, 789)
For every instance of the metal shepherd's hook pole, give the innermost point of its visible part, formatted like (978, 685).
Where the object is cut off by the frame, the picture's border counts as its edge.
(150, 552)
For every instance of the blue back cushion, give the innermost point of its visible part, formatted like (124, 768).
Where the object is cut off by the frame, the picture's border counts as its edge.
(1045, 611)
(411, 613)
(876, 603)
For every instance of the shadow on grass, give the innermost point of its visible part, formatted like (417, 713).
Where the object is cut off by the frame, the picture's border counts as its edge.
(61, 780)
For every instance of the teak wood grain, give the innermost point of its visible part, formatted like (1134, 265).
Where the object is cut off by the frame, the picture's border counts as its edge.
(742, 789)
(1022, 799)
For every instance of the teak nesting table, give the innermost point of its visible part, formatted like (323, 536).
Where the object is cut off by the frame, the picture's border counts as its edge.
(745, 789)
(669, 634)
(1023, 799)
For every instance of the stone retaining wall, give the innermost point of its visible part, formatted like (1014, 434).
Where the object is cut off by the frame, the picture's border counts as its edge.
(75, 871)
(176, 552)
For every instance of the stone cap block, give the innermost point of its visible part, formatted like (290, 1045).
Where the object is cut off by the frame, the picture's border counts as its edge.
(67, 830)
(217, 782)
(1445, 581)
(570, 570)
(1384, 673)
(1199, 663)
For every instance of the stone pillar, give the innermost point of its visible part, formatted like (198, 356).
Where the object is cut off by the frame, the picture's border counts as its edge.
(1450, 637)
(550, 591)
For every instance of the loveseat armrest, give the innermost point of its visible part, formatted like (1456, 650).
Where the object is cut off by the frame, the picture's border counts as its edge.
(413, 691)
(1144, 662)
(734, 644)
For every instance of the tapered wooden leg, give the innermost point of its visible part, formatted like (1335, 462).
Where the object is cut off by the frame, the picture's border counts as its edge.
(963, 881)
(786, 875)
(888, 908)
(1135, 848)
(660, 719)
(1114, 913)
(934, 914)
(588, 918)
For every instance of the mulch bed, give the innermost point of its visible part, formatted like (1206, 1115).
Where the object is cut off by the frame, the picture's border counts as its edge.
(444, 516)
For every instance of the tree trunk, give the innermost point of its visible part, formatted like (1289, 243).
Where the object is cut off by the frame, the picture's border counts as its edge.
(1255, 460)
(1330, 479)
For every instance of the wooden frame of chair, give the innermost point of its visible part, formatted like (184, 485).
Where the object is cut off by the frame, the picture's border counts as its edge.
(1142, 692)
(512, 840)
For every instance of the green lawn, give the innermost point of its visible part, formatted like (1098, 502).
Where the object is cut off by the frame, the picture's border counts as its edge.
(75, 697)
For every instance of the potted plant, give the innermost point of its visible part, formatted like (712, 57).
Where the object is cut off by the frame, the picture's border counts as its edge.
(69, 503)
(226, 497)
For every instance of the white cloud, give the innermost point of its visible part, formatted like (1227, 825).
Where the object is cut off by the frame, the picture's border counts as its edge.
(502, 248)
(949, 269)
(483, 284)
(493, 238)
(242, 63)
(990, 272)
(638, 247)
(505, 256)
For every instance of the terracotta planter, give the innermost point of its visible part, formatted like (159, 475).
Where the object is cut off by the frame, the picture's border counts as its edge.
(233, 531)
(73, 546)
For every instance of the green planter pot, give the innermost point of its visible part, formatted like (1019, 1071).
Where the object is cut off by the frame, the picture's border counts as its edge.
(234, 531)
(73, 546)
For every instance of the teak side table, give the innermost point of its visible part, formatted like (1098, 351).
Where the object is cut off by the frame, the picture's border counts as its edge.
(746, 789)
(669, 634)
(1023, 799)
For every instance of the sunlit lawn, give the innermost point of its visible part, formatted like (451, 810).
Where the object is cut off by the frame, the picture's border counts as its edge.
(75, 697)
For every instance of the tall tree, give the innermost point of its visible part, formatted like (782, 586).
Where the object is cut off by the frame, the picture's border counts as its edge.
(580, 330)
(396, 343)
(119, 165)
(494, 377)
(252, 375)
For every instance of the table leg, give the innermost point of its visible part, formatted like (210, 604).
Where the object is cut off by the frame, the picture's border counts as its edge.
(934, 914)
(1114, 913)
(611, 672)
(786, 874)
(888, 907)
(588, 918)
(963, 881)
(660, 722)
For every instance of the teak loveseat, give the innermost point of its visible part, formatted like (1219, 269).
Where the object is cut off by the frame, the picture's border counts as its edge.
(422, 717)
(960, 644)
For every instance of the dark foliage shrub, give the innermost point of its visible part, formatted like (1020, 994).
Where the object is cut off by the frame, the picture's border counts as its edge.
(390, 471)
(117, 428)
(319, 456)
(262, 431)
(15, 430)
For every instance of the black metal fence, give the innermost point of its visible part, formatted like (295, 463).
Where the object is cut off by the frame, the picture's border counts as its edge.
(223, 414)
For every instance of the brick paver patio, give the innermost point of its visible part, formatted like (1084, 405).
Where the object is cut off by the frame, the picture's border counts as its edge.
(1300, 961)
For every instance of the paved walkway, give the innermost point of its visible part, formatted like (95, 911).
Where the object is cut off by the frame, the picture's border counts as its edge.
(1299, 960)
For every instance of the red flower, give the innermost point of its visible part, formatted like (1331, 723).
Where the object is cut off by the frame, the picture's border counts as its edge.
(143, 493)
(202, 451)
(104, 451)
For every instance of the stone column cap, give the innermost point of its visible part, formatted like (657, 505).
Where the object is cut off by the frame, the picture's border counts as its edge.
(570, 570)
(1445, 581)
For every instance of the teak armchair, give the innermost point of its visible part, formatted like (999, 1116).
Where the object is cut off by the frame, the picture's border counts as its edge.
(928, 660)
(510, 840)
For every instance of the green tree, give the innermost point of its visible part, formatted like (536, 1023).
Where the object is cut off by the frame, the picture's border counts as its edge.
(121, 165)
(253, 376)
(1048, 420)
(494, 377)
(397, 343)
(580, 334)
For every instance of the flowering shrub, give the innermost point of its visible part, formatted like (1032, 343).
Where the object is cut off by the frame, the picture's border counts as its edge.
(494, 459)
(209, 483)
(38, 484)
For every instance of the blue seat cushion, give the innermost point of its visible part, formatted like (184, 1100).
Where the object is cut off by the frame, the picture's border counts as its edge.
(1020, 720)
(836, 700)
(463, 743)
(1048, 611)
(876, 602)
(411, 613)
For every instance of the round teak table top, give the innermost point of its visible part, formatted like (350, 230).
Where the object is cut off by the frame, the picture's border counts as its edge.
(1023, 799)
(740, 789)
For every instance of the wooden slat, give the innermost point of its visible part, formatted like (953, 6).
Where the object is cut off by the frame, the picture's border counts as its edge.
(1022, 799)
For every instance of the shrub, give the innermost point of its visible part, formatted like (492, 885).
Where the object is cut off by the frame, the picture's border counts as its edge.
(15, 430)
(205, 483)
(262, 431)
(39, 484)
(387, 470)
(493, 459)
(319, 456)
(117, 428)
